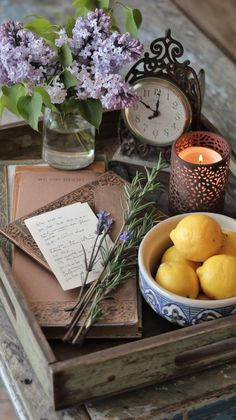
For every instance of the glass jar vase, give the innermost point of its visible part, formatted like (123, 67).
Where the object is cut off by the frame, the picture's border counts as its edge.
(68, 140)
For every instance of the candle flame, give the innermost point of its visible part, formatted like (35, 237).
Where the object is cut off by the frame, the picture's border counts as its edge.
(200, 158)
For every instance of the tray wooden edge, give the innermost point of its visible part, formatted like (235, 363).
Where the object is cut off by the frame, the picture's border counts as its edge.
(127, 366)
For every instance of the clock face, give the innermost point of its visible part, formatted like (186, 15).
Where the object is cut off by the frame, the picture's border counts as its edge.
(162, 113)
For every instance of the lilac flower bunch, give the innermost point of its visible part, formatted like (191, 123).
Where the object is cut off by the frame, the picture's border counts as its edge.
(70, 69)
(99, 55)
(24, 58)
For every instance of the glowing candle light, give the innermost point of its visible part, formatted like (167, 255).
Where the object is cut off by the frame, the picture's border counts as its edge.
(199, 154)
(199, 170)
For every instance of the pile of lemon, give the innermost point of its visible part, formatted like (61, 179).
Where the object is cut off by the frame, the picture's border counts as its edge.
(202, 262)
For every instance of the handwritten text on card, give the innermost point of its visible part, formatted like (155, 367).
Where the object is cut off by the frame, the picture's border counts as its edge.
(60, 235)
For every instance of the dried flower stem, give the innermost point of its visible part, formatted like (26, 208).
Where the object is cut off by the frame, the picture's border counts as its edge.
(83, 302)
(136, 222)
(88, 266)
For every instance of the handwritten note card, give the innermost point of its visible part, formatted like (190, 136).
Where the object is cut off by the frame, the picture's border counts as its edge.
(60, 235)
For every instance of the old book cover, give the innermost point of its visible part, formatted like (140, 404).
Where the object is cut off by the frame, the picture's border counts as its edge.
(98, 166)
(14, 171)
(43, 292)
(36, 186)
(5, 196)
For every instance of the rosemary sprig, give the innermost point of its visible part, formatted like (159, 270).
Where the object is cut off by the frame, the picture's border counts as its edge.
(138, 218)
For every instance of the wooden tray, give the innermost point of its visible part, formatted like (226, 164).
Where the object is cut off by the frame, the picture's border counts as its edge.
(102, 368)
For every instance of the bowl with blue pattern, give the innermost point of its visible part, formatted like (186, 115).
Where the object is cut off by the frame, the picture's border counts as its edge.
(177, 309)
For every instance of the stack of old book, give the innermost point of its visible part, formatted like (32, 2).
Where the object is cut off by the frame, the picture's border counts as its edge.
(39, 189)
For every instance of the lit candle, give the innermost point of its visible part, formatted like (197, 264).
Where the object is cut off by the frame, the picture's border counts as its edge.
(200, 155)
(199, 170)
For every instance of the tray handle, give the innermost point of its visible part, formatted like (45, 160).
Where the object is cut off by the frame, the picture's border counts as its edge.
(209, 351)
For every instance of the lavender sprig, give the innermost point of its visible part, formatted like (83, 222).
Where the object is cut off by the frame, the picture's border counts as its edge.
(122, 257)
(104, 226)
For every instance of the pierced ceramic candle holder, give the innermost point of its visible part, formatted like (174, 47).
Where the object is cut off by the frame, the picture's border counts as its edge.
(199, 172)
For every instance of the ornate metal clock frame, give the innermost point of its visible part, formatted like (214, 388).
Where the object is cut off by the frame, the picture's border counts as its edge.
(164, 63)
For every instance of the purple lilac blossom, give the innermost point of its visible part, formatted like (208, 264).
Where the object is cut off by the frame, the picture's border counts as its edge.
(111, 89)
(116, 93)
(63, 38)
(114, 52)
(24, 58)
(56, 91)
(99, 54)
(90, 30)
(132, 48)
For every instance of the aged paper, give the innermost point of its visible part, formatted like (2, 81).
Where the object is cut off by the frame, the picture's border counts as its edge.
(61, 235)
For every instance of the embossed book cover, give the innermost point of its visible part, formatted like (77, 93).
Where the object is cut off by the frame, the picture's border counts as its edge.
(122, 316)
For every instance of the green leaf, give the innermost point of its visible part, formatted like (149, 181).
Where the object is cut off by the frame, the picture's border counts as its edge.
(69, 80)
(2, 104)
(137, 17)
(114, 26)
(133, 20)
(50, 37)
(11, 96)
(91, 110)
(65, 55)
(70, 25)
(43, 28)
(40, 24)
(81, 11)
(45, 96)
(69, 106)
(30, 107)
(35, 15)
(84, 4)
(46, 99)
(103, 4)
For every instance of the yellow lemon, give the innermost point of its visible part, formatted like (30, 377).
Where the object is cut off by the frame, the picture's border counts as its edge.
(229, 244)
(218, 276)
(178, 278)
(202, 296)
(172, 254)
(197, 237)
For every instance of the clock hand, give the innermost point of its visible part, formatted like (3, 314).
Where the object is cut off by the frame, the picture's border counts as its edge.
(156, 112)
(147, 106)
(157, 103)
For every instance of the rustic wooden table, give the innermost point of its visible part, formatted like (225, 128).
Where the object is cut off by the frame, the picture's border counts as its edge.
(206, 395)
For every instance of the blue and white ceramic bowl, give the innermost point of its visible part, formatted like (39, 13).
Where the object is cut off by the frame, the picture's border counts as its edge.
(174, 308)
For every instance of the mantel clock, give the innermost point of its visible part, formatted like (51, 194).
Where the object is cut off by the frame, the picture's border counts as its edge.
(170, 98)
